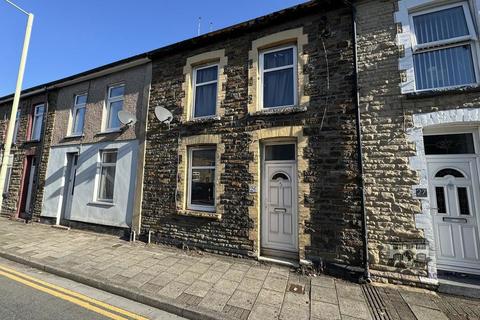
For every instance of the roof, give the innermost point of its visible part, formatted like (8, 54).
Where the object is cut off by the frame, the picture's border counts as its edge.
(287, 14)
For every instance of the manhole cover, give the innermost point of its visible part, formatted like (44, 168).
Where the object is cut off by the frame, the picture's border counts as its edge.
(296, 288)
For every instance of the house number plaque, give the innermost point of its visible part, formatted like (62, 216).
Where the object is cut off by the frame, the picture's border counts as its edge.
(421, 193)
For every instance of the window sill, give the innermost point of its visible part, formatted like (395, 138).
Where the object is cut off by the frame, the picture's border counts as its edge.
(74, 136)
(102, 133)
(203, 119)
(101, 204)
(279, 110)
(200, 214)
(32, 141)
(443, 91)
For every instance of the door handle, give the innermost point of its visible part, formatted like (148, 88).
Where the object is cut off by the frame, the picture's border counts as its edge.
(456, 220)
(280, 209)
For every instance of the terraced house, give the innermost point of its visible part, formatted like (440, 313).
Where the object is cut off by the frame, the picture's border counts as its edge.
(340, 134)
(74, 162)
(260, 158)
(418, 73)
(25, 176)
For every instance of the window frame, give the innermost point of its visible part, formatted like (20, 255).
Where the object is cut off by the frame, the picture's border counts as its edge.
(100, 166)
(294, 65)
(190, 168)
(35, 116)
(8, 175)
(16, 126)
(471, 39)
(76, 107)
(109, 102)
(194, 88)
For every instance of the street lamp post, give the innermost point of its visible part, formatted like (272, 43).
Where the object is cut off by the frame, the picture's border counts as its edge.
(16, 99)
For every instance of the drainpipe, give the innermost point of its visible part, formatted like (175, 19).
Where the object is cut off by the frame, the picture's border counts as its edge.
(366, 273)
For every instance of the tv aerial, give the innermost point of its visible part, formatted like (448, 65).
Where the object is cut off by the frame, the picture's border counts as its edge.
(163, 115)
(126, 118)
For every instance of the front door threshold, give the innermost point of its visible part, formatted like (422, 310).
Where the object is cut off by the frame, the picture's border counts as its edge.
(58, 226)
(467, 285)
(281, 261)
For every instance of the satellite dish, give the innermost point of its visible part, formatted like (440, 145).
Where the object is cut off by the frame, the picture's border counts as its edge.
(126, 118)
(163, 115)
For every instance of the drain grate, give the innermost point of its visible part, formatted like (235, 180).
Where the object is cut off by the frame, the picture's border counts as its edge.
(375, 303)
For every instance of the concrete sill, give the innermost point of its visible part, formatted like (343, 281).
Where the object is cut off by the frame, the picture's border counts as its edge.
(74, 136)
(200, 214)
(101, 204)
(31, 141)
(202, 120)
(443, 92)
(279, 110)
(102, 133)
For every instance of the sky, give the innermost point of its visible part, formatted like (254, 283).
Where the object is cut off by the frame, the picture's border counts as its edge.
(71, 36)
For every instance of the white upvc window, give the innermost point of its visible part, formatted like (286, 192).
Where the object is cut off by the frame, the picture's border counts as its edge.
(278, 77)
(114, 105)
(106, 175)
(8, 176)
(15, 128)
(201, 178)
(78, 114)
(36, 131)
(444, 47)
(205, 90)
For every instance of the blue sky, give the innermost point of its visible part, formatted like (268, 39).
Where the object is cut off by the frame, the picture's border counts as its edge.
(73, 36)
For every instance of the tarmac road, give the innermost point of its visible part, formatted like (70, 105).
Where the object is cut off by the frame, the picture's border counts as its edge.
(30, 294)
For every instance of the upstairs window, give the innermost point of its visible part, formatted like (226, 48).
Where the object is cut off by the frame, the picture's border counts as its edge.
(114, 105)
(201, 179)
(205, 84)
(38, 114)
(106, 181)
(15, 129)
(278, 77)
(78, 120)
(443, 47)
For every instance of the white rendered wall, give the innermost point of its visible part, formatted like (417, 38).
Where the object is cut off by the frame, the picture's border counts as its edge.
(84, 207)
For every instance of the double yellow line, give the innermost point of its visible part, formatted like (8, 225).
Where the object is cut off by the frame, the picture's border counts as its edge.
(86, 302)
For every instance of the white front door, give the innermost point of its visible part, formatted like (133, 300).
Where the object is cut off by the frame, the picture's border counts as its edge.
(454, 190)
(70, 174)
(279, 221)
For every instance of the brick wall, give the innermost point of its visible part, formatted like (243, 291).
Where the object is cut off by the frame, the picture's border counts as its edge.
(334, 227)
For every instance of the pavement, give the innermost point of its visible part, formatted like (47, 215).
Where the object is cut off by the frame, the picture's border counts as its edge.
(30, 294)
(198, 285)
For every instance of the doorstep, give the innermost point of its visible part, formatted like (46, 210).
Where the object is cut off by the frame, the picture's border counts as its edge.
(460, 284)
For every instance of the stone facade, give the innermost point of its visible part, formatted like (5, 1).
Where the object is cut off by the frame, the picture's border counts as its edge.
(322, 124)
(393, 125)
(23, 148)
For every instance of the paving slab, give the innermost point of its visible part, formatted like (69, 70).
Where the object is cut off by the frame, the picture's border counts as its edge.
(325, 311)
(201, 285)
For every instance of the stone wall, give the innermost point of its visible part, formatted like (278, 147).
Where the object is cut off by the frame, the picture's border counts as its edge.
(23, 148)
(394, 216)
(332, 220)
